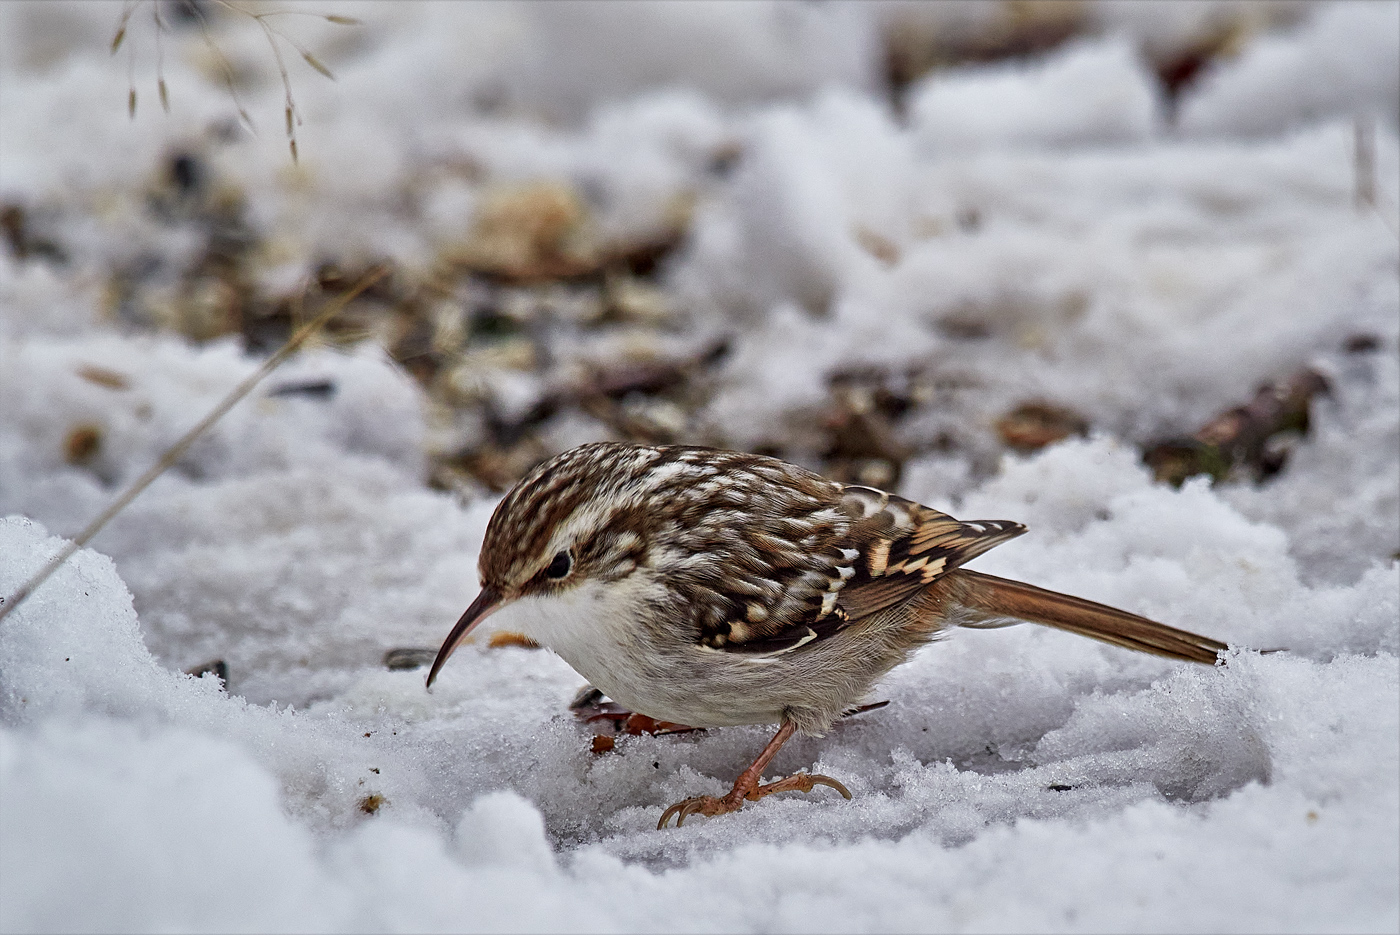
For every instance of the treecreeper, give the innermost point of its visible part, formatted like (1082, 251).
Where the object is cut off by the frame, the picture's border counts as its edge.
(715, 588)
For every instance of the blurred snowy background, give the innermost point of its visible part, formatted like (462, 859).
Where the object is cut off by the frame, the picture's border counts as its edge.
(1123, 271)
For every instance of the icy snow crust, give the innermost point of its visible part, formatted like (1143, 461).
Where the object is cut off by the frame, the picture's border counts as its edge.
(1021, 779)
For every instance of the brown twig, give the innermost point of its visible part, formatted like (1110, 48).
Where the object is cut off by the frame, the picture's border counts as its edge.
(175, 451)
(1240, 439)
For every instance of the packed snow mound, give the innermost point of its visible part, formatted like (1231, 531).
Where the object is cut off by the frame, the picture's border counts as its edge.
(1114, 102)
(1344, 63)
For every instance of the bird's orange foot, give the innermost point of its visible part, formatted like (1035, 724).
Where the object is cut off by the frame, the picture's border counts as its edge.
(709, 805)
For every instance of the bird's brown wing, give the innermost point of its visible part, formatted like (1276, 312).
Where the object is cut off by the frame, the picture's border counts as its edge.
(889, 550)
(904, 546)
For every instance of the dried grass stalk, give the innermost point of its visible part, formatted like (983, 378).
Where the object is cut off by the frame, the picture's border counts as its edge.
(175, 451)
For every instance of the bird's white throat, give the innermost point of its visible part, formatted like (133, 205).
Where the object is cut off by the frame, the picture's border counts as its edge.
(593, 627)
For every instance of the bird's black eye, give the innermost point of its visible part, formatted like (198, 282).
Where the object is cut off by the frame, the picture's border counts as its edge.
(560, 566)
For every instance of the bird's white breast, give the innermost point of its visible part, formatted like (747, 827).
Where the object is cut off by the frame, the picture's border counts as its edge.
(599, 629)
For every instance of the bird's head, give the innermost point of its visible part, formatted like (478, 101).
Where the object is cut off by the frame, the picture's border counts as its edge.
(583, 516)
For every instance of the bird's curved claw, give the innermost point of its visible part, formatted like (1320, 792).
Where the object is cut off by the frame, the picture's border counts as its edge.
(710, 806)
(817, 780)
(702, 804)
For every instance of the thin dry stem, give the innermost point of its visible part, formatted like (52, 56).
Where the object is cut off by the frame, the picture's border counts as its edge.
(127, 9)
(160, 57)
(1365, 130)
(1367, 195)
(130, 64)
(271, 32)
(315, 63)
(305, 53)
(175, 451)
(292, 117)
(225, 67)
(336, 18)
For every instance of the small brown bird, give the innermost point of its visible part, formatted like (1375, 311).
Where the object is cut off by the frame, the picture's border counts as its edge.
(714, 588)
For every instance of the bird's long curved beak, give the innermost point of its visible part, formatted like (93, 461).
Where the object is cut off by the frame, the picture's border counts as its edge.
(485, 604)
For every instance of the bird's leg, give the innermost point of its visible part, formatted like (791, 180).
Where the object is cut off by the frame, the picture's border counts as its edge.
(748, 786)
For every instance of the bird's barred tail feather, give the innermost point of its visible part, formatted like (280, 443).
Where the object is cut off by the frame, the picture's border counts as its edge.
(992, 599)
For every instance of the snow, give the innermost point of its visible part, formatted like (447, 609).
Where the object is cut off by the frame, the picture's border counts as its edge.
(1109, 95)
(1340, 67)
(1148, 273)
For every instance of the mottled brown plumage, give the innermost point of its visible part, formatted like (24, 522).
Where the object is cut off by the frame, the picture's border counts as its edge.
(716, 588)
